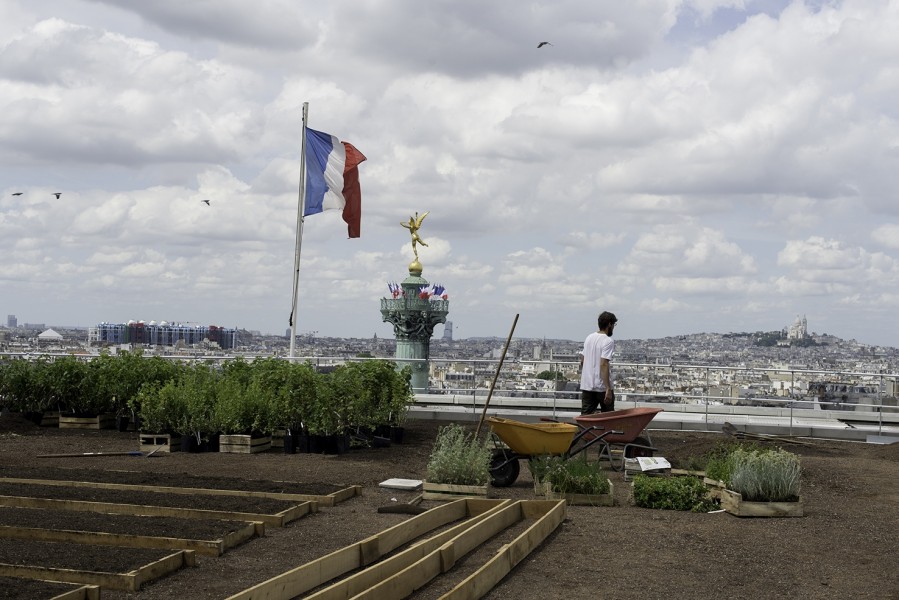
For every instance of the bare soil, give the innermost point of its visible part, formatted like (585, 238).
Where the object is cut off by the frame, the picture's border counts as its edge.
(845, 546)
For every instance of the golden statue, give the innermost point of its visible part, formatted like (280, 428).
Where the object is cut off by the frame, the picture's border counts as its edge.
(413, 226)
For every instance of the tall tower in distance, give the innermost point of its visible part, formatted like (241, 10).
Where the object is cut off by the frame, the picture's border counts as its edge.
(11, 321)
(448, 331)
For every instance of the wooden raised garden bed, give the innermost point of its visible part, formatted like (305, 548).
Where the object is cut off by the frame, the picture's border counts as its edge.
(104, 421)
(244, 444)
(160, 442)
(446, 491)
(402, 573)
(733, 503)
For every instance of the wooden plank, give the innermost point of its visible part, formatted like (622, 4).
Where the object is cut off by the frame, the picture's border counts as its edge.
(443, 491)
(99, 538)
(104, 421)
(479, 583)
(733, 503)
(163, 566)
(584, 499)
(276, 520)
(324, 500)
(85, 592)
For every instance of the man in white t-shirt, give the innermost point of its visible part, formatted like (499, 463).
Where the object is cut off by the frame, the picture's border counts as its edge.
(596, 367)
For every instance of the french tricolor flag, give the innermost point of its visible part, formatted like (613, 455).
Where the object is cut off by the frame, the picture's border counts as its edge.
(332, 178)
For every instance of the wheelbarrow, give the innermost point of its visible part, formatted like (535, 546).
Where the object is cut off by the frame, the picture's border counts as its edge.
(515, 440)
(626, 436)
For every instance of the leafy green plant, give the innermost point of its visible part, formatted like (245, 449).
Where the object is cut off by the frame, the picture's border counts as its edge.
(672, 493)
(572, 476)
(765, 475)
(458, 458)
(716, 462)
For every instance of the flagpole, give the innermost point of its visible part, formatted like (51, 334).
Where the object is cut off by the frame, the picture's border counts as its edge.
(299, 243)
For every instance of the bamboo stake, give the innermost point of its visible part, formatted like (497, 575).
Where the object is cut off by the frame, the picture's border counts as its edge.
(477, 432)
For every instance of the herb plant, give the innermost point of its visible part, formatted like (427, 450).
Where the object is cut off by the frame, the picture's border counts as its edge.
(458, 458)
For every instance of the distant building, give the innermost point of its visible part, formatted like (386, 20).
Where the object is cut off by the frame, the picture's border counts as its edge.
(798, 330)
(11, 321)
(448, 331)
(139, 333)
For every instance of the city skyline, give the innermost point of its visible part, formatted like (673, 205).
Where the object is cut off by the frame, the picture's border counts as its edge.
(691, 166)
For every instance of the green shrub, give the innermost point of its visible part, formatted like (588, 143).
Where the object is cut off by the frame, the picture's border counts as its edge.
(672, 493)
(572, 476)
(765, 475)
(458, 458)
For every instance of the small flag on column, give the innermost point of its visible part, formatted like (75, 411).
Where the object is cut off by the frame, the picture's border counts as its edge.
(332, 178)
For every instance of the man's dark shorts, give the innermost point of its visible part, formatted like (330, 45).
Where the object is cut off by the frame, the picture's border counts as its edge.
(591, 401)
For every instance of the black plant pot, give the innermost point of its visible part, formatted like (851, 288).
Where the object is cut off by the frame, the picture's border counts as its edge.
(122, 422)
(382, 431)
(378, 441)
(34, 417)
(210, 443)
(397, 434)
(189, 443)
(303, 442)
(290, 443)
(317, 444)
(338, 443)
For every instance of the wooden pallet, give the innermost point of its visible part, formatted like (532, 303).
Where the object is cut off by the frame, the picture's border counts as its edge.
(160, 442)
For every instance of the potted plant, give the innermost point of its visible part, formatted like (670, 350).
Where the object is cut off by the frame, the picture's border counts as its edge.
(459, 465)
(575, 480)
(241, 413)
(763, 483)
(159, 409)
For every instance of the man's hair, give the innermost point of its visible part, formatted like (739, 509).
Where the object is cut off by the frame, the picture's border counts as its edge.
(606, 318)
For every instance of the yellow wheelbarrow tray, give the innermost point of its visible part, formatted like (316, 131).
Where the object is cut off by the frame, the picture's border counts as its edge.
(534, 439)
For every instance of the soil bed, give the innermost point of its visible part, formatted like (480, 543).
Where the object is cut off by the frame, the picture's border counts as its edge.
(32, 589)
(80, 558)
(165, 479)
(844, 547)
(247, 504)
(125, 524)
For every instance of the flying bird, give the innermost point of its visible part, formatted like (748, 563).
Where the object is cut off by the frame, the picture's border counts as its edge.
(57, 194)
(541, 44)
(17, 193)
(206, 201)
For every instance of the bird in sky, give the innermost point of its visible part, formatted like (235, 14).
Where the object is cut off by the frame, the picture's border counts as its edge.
(17, 193)
(541, 44)
(57, 194)
(206, 202)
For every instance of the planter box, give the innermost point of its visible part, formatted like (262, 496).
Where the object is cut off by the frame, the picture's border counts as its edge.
(165, 442)
(716, 487)
(447, 491)
(583, 499)
(244, 444)
(50, 419)
(104, 421)
(733, 503)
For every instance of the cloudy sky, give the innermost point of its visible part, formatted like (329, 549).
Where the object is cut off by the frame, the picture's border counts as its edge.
(691, 165)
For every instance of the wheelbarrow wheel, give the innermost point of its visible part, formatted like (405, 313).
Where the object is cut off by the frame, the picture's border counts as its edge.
(633, 451)
(503, 469)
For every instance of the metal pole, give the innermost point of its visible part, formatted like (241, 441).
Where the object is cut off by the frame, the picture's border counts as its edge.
(301, 202)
